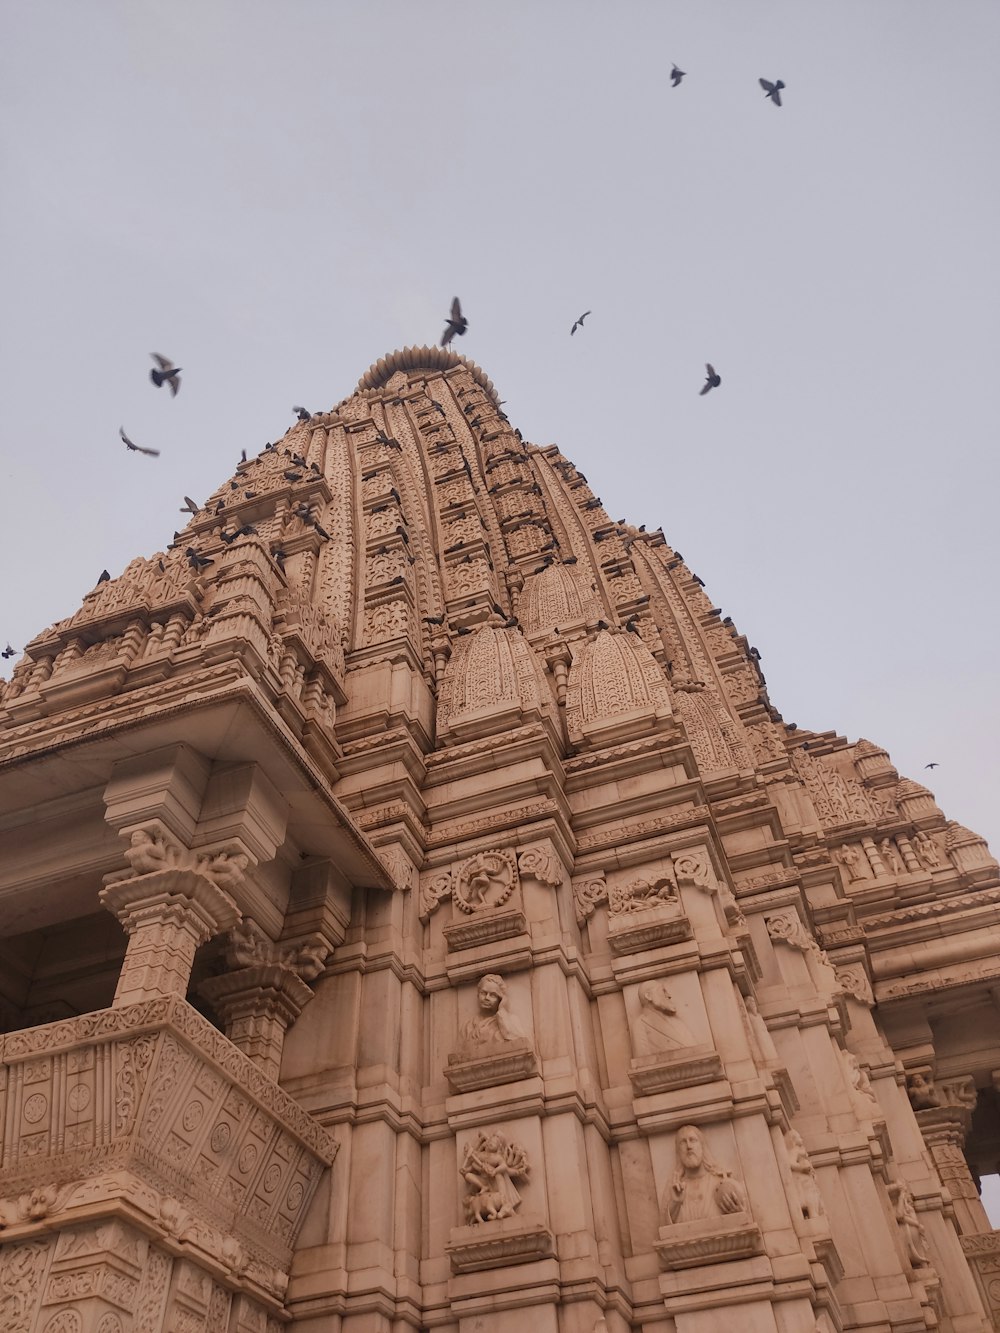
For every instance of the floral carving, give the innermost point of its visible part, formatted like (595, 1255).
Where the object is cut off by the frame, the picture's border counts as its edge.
(854, 980)
(541, 863)
(485, 881)
(587, 895)
(432, 891)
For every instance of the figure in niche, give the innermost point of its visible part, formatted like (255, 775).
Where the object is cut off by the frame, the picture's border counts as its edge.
(699, 1187)
(852, 858)
(496, 1023)
(891, 857)
(914, 1235)
(810, 1199)
(660, 1027)
(490, 1169)
(922, 1093)
(927, 851)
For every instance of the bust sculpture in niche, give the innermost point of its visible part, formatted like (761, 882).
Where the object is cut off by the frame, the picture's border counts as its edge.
(495, 1023)
(699, 1188)
(660, 1027)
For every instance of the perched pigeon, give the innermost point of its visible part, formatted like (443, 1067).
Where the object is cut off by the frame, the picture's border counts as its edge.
(579, 323)
(168, 373)
(772, 90)
(137, 448)
(456, 323)
(302, 414)
(676, 75)
(712, 380)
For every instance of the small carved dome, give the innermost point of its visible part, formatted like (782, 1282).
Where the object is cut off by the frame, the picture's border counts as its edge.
(551, 599)
(433, 359)
(872, 762)
(492, 674)
(614, 677)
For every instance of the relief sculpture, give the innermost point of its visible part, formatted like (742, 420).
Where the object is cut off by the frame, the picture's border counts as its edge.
(660, 1027)
(489, 1169)
(699, 1188)
(495, 1024)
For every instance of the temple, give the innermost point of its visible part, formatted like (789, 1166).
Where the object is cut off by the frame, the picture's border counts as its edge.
(416, 916)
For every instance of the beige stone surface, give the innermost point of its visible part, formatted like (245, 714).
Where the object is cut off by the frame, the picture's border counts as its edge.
(421, 918)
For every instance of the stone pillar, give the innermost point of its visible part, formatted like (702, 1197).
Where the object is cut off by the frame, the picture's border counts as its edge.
(258, 1005)
(264, 994)
(944, 1114)
(167, 914)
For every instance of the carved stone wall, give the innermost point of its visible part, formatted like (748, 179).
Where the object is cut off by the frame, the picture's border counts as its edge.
(549, 979)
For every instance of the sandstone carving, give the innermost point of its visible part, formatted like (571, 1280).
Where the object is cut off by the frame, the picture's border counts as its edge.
(485, 881)
(660, 1027)
(588, 894)
(489, 1169)
(809, 1199)
(910, 1226)
(496, 1023)
(699, 1188)
(419, 653)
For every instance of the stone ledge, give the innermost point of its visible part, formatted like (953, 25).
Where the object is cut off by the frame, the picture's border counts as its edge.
(674, 1069)
(497, 1244)
(631, 932)
(505, 1062)
(687, 1244)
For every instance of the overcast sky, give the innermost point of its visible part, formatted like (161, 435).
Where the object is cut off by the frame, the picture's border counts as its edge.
(276, 194)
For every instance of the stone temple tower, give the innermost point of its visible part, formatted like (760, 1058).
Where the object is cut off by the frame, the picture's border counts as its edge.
(416, 916)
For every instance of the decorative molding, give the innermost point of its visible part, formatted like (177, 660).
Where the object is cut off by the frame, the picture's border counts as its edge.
(666, 1071)
(474, 1249)
(714, 1240)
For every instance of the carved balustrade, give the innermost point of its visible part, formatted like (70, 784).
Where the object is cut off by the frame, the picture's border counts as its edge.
(148, 1114)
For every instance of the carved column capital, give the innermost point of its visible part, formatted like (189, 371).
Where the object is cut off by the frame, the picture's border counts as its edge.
(167, 914)
(260, 999)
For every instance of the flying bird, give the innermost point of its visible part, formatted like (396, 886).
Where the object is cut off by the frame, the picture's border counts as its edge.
(579, 323)
(676, 75)
(712, 380)
(302, 414)
(196, 561)
(456, 323)
(168, 373)
(772, 90)
(9, 652)
(137, 448)
(925, 765)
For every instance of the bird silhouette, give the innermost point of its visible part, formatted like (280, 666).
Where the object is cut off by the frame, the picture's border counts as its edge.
(455, 324)
(712, 380)
(579, 323)
(168, 373)
(197, 561)
(9, 652)
(104, 577)
(925, 765)
(772, 90)
(137, 448)
(302, 414)
(676, 75)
